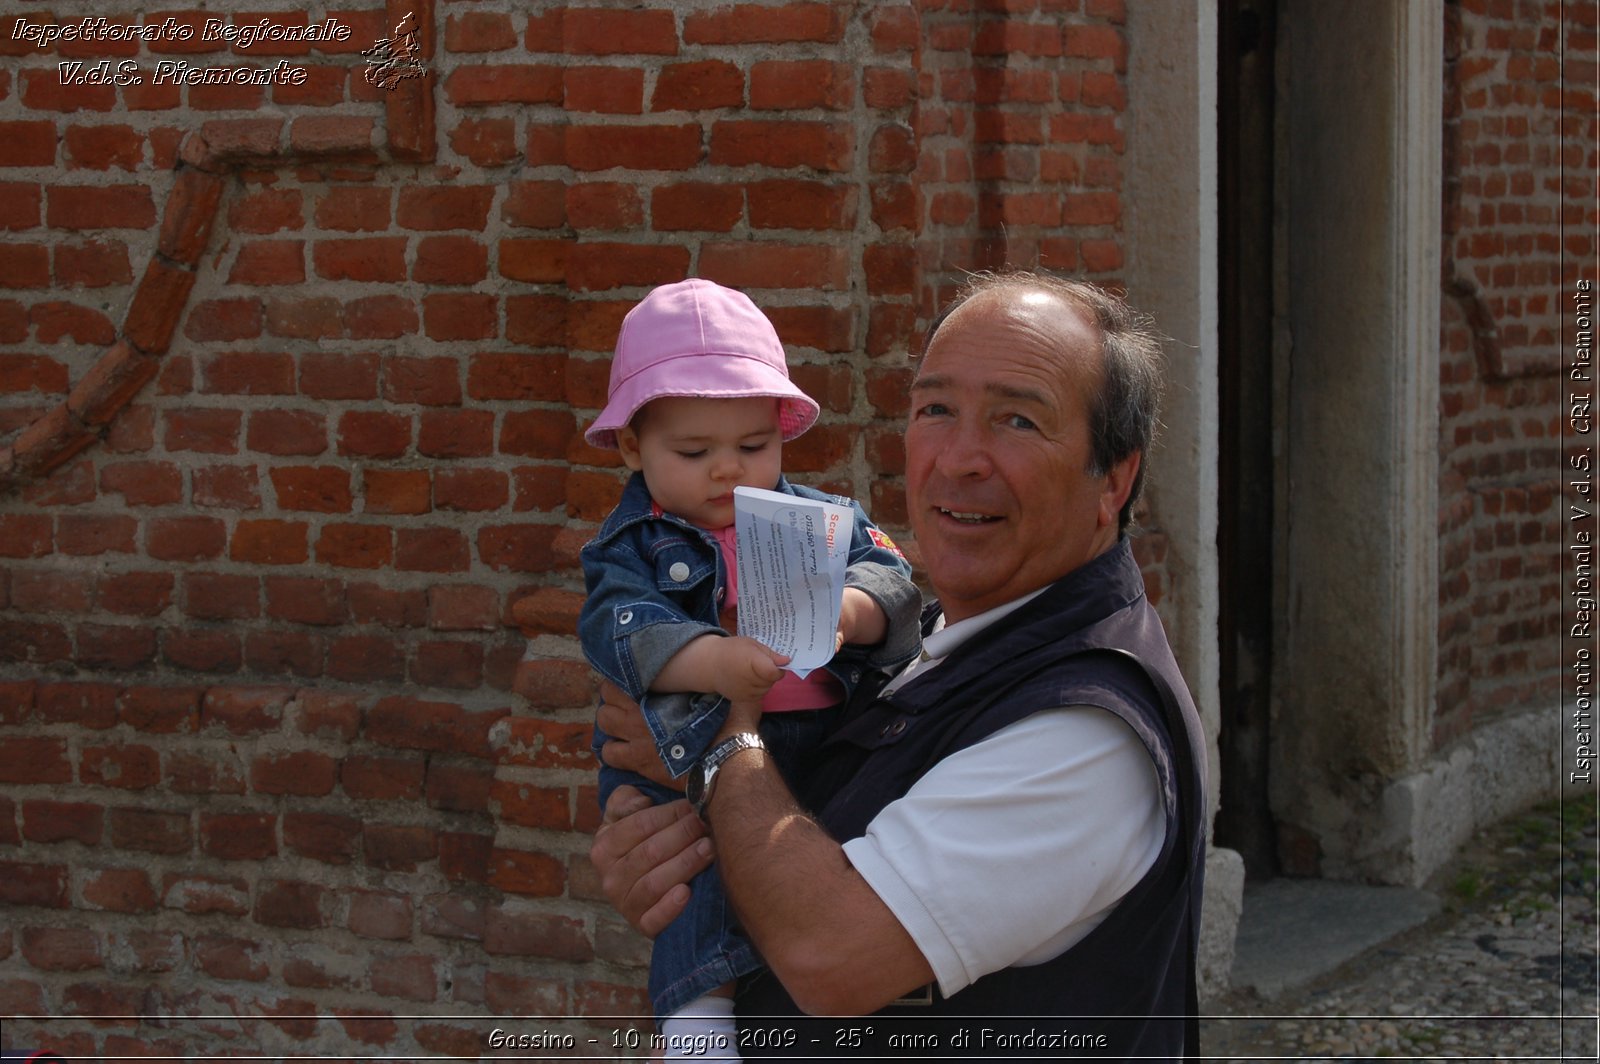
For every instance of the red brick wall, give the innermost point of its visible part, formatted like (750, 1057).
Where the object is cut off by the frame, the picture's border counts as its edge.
(1516, 241)
(291, 386)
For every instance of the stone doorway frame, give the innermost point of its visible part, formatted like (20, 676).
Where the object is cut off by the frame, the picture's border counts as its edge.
(1360, 228)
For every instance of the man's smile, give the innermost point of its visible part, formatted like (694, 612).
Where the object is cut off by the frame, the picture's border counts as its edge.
(967, 517)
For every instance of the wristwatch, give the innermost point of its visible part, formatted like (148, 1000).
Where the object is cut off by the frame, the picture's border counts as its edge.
(704, 773)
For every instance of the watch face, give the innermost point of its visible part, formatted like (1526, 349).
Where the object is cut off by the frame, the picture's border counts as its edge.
(696, 787)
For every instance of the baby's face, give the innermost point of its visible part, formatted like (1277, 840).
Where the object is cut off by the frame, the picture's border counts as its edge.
(694, 452)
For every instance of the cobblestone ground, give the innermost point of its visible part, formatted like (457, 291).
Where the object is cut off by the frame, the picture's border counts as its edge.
(1490, 978)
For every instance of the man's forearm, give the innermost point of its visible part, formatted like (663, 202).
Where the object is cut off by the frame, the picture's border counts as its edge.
(835, 946)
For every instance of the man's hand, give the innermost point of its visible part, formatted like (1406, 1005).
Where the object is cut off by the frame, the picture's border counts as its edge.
(646, 855)
(630, 747)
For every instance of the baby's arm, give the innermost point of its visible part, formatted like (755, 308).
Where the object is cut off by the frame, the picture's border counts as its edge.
(881, 573)
(862, 621)
(735, 667)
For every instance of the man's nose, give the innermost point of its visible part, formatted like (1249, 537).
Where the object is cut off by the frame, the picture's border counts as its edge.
(965, 452)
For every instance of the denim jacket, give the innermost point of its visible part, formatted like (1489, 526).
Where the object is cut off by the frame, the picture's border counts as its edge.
(655, 582)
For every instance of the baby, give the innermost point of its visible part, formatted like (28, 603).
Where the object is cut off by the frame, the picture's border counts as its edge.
(700, 402)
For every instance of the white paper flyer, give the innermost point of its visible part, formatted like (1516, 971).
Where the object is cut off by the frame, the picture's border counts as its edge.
(792, 557)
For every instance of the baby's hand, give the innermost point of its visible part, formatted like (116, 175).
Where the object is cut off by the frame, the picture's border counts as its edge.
(861, 620)
(746, 670)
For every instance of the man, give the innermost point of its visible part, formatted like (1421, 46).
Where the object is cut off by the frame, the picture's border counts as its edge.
(1012, 827)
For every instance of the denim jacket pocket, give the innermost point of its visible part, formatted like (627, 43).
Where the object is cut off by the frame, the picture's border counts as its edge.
(680, 565)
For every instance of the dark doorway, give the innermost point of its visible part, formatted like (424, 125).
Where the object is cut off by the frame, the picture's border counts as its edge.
(1246, 100)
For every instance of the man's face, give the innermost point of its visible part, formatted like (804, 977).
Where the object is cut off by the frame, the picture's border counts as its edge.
(997, 451)
(694, 452)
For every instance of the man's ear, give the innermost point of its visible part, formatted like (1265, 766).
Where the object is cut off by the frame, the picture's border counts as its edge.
(628, 444)
(1119, 485)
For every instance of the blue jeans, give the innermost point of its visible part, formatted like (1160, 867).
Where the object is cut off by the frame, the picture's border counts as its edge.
(703, 949)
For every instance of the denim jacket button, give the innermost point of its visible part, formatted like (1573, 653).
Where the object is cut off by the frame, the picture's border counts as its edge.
(678, 572)
(625, 617)
(677, 752)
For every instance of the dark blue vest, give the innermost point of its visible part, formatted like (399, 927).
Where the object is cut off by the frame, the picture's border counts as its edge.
(1125, 990)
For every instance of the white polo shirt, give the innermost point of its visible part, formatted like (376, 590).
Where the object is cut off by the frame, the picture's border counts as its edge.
(1010, 851)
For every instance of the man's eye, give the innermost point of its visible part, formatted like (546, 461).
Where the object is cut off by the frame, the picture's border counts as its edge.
(933, 410)
(1018, 421)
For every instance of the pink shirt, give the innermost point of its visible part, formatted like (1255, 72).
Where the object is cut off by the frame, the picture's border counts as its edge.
(819, 690)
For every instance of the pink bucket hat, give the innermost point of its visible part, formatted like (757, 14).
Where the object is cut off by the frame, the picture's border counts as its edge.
(698, 338)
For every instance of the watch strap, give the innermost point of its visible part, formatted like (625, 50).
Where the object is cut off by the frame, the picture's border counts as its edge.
(712, 761)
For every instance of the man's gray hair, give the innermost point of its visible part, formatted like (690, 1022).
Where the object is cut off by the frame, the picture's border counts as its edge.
(1123, 411)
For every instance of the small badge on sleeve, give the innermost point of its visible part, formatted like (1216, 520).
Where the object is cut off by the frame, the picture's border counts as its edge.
(882, 540)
